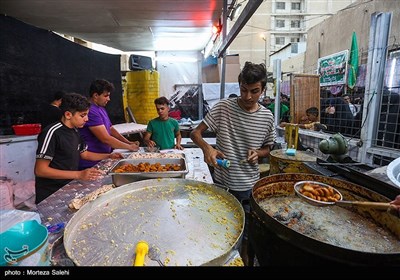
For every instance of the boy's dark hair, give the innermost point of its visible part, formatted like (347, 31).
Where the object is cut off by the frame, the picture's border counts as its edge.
(313, 111)
(58, 95)
(100, 86)
(161, 101)
(253, 73)
(74, 102)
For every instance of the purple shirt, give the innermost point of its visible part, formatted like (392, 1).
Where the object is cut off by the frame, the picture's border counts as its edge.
(97, 116)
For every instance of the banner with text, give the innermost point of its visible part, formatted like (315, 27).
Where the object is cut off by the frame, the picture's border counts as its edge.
(333, 68)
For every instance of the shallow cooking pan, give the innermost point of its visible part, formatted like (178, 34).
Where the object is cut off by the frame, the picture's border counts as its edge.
(191, 223)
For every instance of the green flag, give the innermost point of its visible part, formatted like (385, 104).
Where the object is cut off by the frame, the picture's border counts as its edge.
(353, 62)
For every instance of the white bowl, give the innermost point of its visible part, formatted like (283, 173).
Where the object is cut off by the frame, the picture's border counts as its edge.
(393, 171)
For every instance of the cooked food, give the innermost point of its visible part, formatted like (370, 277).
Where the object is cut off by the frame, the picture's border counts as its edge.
(77, 203)
(147, 167)
(319, 192)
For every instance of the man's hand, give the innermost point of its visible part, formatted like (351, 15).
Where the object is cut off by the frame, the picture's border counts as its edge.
(116, 156)
(134, 146)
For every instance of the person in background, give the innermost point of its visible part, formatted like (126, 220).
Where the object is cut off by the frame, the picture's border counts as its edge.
(51, 113)
(232, 95)
(285, 100)
(60, 147)
(98, 132)
(163, 130)
(310, 121)
(352, 107)
(283, 113)
(245, 133)
(266, 101)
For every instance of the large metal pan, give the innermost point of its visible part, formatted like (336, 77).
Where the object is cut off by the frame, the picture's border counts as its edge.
(191, 222)
(278, 186)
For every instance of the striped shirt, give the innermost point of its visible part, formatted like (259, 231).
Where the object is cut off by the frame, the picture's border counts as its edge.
(237, 131)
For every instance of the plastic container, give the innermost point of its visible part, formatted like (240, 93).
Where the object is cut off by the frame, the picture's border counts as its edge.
(27, 129)
(25, 244)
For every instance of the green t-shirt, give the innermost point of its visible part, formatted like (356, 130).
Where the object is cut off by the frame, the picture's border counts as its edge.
(163, 132)
(284, 109)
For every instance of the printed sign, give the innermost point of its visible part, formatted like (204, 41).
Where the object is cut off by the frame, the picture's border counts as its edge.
(332, 69)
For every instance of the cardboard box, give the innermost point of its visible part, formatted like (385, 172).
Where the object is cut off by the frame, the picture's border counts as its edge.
(212, 73)
(232, 72)
(230, 59)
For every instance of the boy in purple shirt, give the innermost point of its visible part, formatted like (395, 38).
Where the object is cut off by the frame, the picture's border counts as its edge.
(98, 132)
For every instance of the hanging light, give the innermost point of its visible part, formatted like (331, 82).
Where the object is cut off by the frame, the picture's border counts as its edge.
(216, 29)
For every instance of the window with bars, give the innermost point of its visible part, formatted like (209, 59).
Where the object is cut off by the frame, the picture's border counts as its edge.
(280, 5)
(279, 40)
(336, 111)
(280, 23)
(342, 112)
(295, 23)
(388, 129)
(295, 6)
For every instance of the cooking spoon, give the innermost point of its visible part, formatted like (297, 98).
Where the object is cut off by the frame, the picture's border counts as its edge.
(377, 205)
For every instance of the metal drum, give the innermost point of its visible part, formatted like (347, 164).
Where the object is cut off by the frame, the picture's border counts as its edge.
(280, 162)
(191, 223)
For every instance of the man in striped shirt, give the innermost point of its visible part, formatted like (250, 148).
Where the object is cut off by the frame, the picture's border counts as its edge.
(60, 147)
(244, 133)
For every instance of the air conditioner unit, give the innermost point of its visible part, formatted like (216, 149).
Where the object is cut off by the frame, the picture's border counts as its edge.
(138, 62)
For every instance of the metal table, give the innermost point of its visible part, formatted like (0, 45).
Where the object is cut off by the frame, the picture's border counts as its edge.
(54, 209)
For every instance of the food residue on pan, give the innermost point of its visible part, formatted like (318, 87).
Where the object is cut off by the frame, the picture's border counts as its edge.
(174, 218)
(333, 225)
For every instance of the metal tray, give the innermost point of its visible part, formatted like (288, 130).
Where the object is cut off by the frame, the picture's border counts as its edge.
(192, 223)
(120, 179)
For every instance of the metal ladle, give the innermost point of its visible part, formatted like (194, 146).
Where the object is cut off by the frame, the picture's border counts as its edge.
(340, 202)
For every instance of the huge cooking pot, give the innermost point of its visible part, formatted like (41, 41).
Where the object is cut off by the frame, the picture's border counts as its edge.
(278, 239)
(191, 223)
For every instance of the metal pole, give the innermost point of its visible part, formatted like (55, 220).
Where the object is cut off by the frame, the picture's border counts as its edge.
(223, 54)
(277, 76)
(266, 60)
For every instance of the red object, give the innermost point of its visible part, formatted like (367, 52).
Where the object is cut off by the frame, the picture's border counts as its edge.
(175, 114)
(27, 129)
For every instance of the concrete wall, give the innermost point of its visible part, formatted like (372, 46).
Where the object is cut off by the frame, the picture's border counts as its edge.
(334, 34)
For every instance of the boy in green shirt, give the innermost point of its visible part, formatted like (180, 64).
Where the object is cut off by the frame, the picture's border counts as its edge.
(161, 131)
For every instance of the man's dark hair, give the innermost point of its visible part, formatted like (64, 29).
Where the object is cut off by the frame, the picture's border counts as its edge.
(313, 111)
(100, 86)
(74, 102)
(253, 73)
(58, 95)
(284, 96)
(161, 101)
